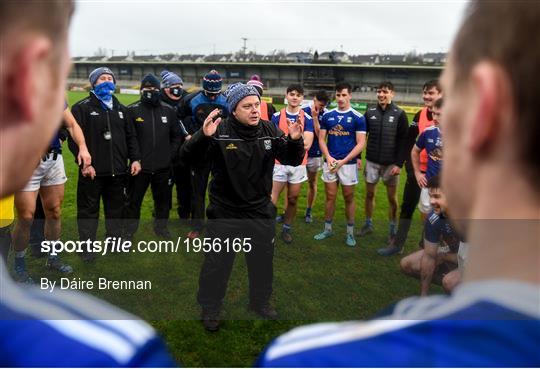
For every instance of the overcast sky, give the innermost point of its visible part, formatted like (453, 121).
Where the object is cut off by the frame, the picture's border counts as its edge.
(205, 27)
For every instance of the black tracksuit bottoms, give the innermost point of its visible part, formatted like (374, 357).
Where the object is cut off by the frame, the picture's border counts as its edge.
(112, 189)
(182, 180)
(199, 184)
(5, 242)
(161, 193)
(259, 225)
(411, 196)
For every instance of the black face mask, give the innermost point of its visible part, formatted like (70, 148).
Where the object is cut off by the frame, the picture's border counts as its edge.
(176, 91)
(151, 97)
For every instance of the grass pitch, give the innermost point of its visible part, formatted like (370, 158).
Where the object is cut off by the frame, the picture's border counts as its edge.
(314, 281)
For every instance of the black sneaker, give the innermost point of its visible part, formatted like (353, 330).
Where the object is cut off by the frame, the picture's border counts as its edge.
(21, 276)
(54, 263)
(286, 237)
(88, 257)
(210, 320)
(35, 250)
(265, 311)
(162, 232)
(390, 250)
(365, 230)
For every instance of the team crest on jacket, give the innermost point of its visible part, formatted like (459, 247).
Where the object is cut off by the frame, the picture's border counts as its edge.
(139, 120)
(267, 145)
(231, 146)
(163, 119)
(121, 115)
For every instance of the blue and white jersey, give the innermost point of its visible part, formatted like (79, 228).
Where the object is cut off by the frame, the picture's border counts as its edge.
(308, 121)
(431, 140)
(341, 128)
(439, 230)
(315, 150)
(70, 329)
(493, 323)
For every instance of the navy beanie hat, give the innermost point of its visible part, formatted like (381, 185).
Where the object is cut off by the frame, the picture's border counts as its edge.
(212, 82)
(236, 92)
(149, 81)
(169, 79)
(96, 73)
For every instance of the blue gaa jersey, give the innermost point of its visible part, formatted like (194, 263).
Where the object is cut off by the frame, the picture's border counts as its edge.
(341, 128)
(308, 121)
(315, 150)
(490, 323)
(70, 329)
(56, 144)
(431, 140)
(439, 230)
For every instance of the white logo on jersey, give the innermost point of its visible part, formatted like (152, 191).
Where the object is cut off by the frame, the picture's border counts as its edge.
(94, 113)
(349, 119)
(267, 145)
(163, 119)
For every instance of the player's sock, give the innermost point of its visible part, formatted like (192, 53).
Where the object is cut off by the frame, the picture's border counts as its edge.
(392, 228)
(308, 212)
(350, 229)
(286, 227)
(53, 257)
(20, 263)
(328, 225)
(369, 222)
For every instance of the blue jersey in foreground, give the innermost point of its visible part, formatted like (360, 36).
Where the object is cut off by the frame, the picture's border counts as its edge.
(69, 329)
(489, 323)
(341, 128)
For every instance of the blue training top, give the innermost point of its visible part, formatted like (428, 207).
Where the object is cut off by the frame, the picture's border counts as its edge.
(438, 229)
(70, 329)
(493, 323)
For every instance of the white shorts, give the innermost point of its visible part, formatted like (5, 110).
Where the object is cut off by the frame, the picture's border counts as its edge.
(374, 171)
(290, 174)
(48, 173)
(462, 256)
(314, 164)
(424, 204)
(347, 175)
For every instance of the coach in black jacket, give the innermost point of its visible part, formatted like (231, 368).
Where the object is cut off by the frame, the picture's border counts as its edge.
(111, 141)
(159, 135)
(243, 149)
(172, 94)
